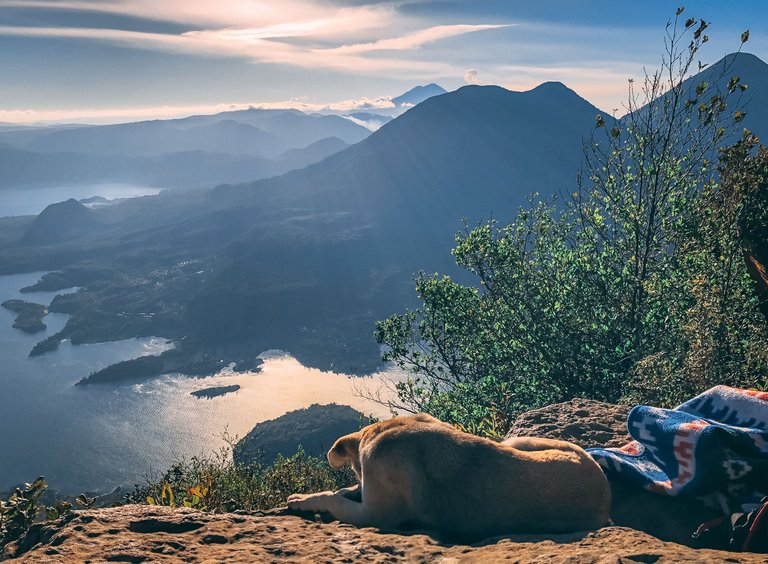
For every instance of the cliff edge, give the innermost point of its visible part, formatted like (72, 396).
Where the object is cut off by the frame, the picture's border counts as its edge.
(650, 528)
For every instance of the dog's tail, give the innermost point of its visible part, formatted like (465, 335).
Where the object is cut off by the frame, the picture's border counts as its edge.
(344, 450)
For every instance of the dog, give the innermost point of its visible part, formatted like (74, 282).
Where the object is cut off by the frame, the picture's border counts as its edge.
(420, 473)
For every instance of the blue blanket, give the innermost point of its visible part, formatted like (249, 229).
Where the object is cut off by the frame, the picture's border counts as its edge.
(713, 446)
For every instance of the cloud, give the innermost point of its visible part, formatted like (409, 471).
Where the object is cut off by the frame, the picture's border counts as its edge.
(416, 39)
(265, 19)
(370, 124)
(121, 115)
(300, 33)
(470, 77)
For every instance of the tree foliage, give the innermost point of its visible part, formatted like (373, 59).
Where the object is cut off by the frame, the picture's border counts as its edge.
(633, 288)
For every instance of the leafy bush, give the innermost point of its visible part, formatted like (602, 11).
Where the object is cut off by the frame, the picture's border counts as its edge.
(19, 511)
(634, 288)
(23, 508)
(219, 485)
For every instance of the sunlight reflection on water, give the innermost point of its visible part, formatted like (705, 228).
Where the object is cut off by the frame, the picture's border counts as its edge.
(101, 436)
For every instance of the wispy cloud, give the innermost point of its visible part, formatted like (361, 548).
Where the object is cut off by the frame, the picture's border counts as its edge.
(197, 12)
(414, 40)
(293, 32)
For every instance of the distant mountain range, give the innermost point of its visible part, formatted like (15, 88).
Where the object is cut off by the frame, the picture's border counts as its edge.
(193, 152)
(263, 133)
(308, 261)
(194, 168)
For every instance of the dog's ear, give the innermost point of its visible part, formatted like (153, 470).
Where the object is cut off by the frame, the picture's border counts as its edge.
(344, 450)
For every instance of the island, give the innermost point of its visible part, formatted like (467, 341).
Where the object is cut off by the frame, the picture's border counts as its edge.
(29, 315)
(215, 391)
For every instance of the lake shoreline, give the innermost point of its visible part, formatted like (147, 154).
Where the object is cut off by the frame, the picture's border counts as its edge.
(30, 200)
(92, 438)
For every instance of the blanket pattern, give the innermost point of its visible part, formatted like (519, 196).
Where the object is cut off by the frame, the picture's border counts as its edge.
(713, 446)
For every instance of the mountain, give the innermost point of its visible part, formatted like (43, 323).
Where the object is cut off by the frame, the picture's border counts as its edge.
(472, 152)
(58, 222)
(28, 168)
(183, 169)
(317, 151)
(308, 261)
(754, 73)
(298, 129)
(156, 137)
(193, 152)
(418, 94)
(235, 133)
(196, 169)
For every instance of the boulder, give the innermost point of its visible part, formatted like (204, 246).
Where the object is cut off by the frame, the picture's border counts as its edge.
(590, 423)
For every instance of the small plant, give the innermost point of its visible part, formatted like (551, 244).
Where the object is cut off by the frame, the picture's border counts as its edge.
(84, 501)
(58, 510)
(19, 511)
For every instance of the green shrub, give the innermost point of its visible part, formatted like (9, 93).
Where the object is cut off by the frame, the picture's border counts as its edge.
(19, 511)
(217, 484)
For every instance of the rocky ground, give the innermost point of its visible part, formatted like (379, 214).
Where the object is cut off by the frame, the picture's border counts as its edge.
(647, 525)
(136, 533)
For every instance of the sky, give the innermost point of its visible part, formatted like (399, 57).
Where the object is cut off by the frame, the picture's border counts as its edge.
(101, 61)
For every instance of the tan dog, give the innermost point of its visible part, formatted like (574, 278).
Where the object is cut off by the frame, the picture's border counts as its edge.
(418, 472)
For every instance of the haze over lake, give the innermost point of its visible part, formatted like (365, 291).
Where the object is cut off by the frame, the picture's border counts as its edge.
(103, 436)
(31, 201)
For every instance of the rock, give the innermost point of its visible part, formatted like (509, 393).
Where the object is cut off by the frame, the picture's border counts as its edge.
(315, 429)
(139, 533)
(588, 423)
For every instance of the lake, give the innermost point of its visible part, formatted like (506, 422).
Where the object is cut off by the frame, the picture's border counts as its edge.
(103, 436)
(31, 201)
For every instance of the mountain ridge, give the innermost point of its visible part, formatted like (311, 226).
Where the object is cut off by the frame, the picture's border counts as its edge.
(307, 261)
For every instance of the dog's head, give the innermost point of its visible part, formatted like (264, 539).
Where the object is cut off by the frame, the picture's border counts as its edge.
(346, 449)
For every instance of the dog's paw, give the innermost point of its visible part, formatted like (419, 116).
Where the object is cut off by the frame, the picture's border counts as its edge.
(308, 502)
(295, 501)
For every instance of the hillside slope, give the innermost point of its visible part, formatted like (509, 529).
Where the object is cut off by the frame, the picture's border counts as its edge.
(308, 261)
